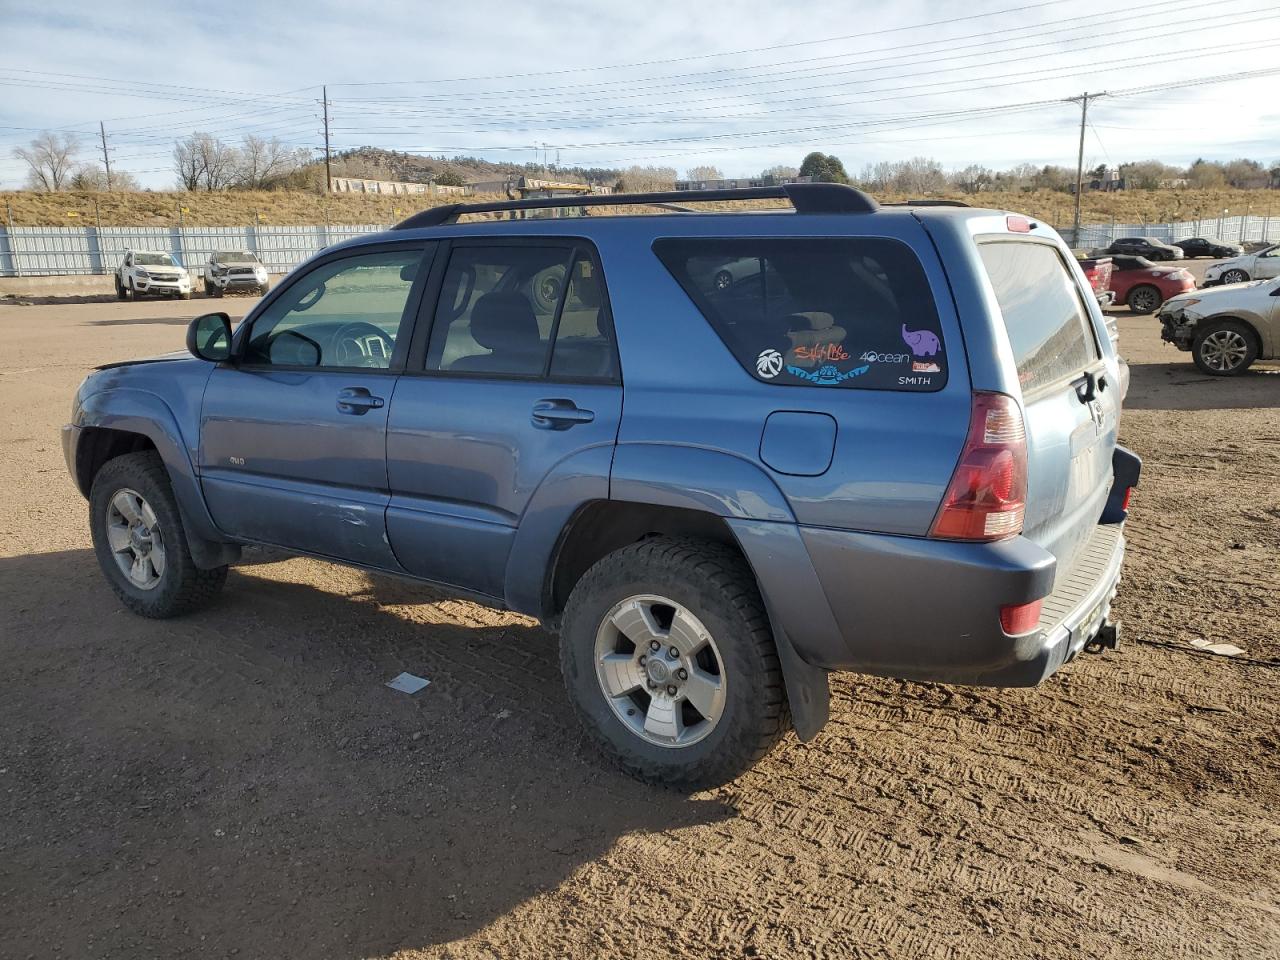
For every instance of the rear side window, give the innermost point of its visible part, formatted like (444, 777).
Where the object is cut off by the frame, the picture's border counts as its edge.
(838, 312)
(1044, 314)
(530, 311)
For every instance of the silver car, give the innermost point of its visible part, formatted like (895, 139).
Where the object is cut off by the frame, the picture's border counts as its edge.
(1225, 328)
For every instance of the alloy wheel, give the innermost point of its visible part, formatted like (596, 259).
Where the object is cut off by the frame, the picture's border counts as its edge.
(1223, 350)
(660, 671)
(136, 542)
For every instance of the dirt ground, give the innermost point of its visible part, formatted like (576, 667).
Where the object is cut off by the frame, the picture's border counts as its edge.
(240, 782)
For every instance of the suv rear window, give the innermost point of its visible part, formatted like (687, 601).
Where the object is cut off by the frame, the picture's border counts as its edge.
(846, 312)
(1048, 325)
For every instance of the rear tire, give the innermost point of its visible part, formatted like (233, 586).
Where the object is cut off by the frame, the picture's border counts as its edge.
(713, 703)
(140, 542)
(1226, 348)
(1144, 299)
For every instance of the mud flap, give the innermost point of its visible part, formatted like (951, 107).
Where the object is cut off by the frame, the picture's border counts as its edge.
(1126, 467)
(808, 692)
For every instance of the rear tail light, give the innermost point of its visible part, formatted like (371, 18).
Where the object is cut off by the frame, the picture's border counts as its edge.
(1020, 618)
(987, 496)
(1128, 494)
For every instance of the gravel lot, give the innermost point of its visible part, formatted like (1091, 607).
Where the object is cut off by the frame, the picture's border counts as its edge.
(239, 782)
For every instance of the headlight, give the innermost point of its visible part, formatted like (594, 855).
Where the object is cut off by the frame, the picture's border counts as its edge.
(143, 275)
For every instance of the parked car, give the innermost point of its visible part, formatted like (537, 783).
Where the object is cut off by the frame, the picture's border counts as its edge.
(232, 271)
(1143, 286)
(1202, 247)
(1262, 265)
(1098, 270)
(1148, 247)
(852, 460)
(1226, 328)
(151, 273)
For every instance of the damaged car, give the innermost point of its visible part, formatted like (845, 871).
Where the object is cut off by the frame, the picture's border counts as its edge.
(1225, 328)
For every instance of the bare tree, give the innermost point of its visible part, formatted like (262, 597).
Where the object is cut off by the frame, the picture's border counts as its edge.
(202, 161)
(973, 178)
(263, 162)
(636, 179)
(703, 173)
(91, 178)
(51, 158)
(781, 173)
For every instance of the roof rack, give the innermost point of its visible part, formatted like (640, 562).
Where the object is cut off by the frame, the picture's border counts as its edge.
(928, 203)
(805, 197)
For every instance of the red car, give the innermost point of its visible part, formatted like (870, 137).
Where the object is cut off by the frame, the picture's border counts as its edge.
(1144, 286)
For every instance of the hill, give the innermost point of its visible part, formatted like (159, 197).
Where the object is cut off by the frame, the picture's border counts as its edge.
(237, 208)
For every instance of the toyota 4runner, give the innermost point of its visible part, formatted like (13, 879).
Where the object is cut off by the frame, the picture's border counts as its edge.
(721, 453)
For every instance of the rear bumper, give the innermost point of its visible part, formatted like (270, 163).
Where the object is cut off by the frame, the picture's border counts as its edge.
(929, 610)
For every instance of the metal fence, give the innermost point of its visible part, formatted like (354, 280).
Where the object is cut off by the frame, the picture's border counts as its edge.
(1227, 229)
(57, 251)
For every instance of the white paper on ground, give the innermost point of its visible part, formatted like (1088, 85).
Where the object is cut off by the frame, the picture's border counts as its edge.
(408, 683)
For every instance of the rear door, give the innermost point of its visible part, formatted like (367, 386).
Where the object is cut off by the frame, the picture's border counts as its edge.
(519, 374)
(1071, 409)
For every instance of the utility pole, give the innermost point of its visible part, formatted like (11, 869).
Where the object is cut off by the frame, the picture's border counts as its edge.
(1083, 100)
(328, 171)
(106, 158)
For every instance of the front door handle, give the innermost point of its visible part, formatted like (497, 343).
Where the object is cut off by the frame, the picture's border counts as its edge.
(357, 401)
(559, 414)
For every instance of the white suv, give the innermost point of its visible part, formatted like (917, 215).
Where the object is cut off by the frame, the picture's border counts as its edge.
(227, 271)
(151, 272)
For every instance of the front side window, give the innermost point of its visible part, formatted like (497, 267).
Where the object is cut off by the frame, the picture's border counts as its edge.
(1048, 326)
(345, 313)
(839, 312)
(529, 310)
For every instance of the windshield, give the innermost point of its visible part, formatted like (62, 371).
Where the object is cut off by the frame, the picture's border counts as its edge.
(154, 260)
(234, 256)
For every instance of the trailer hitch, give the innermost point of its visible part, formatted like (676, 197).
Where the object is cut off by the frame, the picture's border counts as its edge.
(1107, 637)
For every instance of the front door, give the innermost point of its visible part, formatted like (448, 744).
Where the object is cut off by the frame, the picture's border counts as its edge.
(520, 374)
(293, 432)
(1267, 264)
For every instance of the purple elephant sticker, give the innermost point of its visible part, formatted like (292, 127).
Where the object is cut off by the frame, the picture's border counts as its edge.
(923, 343)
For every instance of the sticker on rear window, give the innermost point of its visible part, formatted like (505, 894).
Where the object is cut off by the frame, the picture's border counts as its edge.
(835, 312)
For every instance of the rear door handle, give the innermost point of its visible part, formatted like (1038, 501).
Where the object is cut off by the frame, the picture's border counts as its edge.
(559, 414)
(357, 401)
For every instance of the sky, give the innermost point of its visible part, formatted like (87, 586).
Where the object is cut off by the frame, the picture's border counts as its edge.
(738, 85)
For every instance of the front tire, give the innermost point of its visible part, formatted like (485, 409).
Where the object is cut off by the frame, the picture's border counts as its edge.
(670, 663)
(1144, 299)
(120, 294)
(140, 542)
(1224, 349)
(1235, 276)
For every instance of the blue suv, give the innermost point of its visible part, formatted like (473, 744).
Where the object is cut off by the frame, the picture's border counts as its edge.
(721, 453)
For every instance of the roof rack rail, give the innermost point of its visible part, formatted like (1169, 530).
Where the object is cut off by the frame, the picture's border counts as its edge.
(928, 203)
(805, 197)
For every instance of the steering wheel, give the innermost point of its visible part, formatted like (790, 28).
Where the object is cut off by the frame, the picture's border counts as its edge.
(359, 343)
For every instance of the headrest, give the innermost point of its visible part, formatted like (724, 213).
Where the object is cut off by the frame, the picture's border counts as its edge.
(504, 320)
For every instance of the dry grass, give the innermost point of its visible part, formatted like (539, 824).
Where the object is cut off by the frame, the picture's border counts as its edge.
(299, 208)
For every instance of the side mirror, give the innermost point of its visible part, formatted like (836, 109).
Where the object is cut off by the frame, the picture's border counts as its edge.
(209, 337)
